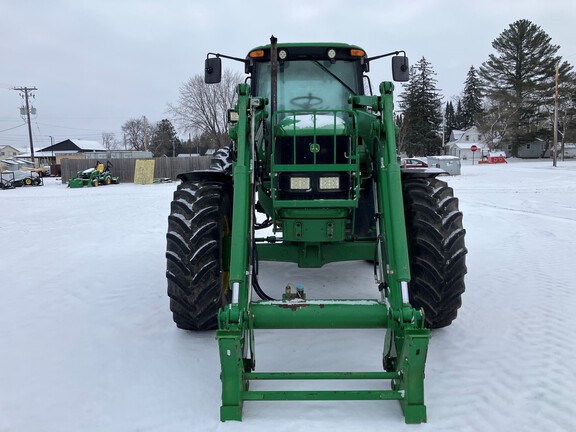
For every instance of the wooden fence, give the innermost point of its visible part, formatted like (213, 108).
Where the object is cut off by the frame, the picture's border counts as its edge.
(165, 167)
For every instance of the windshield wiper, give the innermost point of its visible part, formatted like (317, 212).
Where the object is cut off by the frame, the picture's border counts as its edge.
(333, 75)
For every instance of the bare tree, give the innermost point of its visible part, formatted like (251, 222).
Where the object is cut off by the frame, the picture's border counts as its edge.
(201, 108)
(109, 141)
(136, 131)
(494, 123)
(402, 131)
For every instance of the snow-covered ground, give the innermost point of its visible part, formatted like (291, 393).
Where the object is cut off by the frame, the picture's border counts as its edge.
(87, 341)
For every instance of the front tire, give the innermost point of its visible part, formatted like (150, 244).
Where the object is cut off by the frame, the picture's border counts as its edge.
(436, 249)
(197, 262)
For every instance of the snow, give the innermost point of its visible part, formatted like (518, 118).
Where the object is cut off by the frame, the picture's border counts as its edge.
(319, 120)
(88, 343)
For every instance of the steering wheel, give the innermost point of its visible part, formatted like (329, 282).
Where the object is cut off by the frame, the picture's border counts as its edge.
(306, 102)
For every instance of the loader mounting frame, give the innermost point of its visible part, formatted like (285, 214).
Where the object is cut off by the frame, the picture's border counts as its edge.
(406, 343)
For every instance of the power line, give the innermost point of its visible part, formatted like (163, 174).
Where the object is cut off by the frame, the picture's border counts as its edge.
(67, 127)
(20, 125)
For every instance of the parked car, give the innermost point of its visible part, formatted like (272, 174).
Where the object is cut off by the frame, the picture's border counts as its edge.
(413, 163)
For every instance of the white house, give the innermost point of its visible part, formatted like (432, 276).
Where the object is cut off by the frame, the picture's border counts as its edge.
(8, 151)
(461, 142)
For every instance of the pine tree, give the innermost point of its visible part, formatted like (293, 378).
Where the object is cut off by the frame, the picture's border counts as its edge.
(471, 99)
(567, 110)
(459, 116)
(164, 140)
(519, 81)
(449, 121)
(420, 102)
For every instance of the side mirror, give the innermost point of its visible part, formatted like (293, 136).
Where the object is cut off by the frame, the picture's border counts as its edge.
(400, 69)
(212, 70)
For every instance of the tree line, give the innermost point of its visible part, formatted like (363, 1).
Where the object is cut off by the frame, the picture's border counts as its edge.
(510, 97)
(200, 112)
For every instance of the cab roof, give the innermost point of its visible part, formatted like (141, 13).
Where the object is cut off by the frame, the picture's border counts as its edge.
(316, 50)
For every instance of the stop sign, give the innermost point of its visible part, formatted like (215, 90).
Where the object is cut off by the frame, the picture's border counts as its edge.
(473, 147)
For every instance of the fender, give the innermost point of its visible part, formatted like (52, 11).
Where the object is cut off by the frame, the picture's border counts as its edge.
(422, 172)
(205, 174)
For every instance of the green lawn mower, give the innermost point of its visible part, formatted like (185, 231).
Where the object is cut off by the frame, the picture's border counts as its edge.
(99, 175)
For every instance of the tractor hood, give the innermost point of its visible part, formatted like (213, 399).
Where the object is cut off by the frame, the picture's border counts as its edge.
(306, 124)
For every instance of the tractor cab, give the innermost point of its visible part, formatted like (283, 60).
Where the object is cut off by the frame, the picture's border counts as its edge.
(314, 127)
(309, 77)
(310, 126)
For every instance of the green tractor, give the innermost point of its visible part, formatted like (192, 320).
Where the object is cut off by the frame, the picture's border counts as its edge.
(316, 157)
(99, 175)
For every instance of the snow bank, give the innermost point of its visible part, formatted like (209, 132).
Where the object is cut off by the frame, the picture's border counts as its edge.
(88, 344)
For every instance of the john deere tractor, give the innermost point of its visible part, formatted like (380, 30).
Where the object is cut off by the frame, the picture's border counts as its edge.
(99, 175)
(313, 159)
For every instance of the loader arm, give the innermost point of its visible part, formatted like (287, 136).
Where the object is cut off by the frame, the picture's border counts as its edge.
(238, 320)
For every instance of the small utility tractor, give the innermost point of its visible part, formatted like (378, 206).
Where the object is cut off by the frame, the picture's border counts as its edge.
(99, 175)
(316, 157)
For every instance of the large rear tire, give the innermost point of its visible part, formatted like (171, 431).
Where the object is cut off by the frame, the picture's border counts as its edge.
(222, 160)
(199, 222)
(436, 248)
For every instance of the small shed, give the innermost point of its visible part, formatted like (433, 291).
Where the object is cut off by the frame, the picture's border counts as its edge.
(450, 164)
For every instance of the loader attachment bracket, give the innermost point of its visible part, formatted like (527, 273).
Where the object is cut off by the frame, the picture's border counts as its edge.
(405, 373)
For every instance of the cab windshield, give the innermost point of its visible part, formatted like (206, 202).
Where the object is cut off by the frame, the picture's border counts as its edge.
(311, 84)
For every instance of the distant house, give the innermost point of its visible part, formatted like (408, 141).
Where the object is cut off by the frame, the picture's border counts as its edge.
(85, 149)
(72, 148)
(14, 164)
(461, 142)
(569, 150)
(8, 151)
(9, 165)
(531, 150)
(75, 146)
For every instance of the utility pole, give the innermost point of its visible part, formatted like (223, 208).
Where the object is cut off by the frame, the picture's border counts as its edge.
(25, 90)
(555, 138)
(51, 144)
(442, 152)
(145, 134)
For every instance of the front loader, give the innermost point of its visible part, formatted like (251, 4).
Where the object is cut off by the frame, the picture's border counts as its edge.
(315, 157)
(99, 175)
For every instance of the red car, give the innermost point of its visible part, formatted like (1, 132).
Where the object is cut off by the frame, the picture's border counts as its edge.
(413, 163)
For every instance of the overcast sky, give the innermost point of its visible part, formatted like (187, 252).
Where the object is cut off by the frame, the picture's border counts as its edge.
(97, 64)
